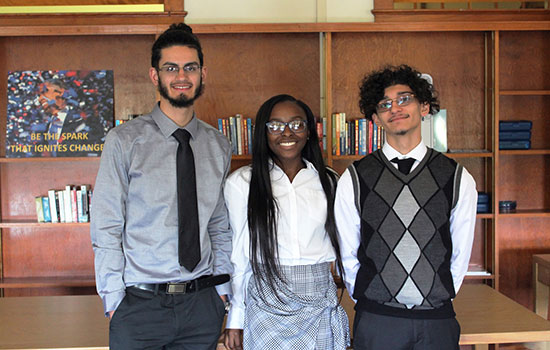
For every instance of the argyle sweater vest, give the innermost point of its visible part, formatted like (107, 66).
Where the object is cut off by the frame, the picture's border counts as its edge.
(406, 246)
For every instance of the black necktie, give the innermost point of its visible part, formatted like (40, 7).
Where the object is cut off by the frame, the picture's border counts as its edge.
(189, 249)
(404, 165)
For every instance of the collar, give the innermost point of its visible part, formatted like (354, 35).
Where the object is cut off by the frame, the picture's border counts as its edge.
(274, 167)
(167, 125)
(417, 153)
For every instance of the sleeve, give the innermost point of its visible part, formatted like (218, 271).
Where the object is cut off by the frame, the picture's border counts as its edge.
(220, 236)
(108, 211)
(462, 222)
(237, 203)
(348, 222)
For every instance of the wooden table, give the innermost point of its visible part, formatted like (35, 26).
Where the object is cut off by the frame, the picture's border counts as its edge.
(77, 322)
(59, 322)
(488, 317)
(541, 283)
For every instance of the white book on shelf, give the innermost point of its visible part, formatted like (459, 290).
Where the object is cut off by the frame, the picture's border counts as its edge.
(68, 207)
(53, 206)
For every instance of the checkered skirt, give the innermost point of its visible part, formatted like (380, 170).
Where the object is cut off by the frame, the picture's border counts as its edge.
(308, 316)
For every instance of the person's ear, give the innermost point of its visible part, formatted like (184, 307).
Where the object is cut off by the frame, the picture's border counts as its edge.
(154, 75)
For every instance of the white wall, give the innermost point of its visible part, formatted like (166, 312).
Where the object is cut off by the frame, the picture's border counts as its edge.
(278, 11)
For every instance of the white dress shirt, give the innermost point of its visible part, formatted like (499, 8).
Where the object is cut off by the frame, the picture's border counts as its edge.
(462, 221)
(301, 235)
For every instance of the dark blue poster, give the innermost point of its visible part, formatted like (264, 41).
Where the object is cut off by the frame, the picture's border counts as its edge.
(64, 113)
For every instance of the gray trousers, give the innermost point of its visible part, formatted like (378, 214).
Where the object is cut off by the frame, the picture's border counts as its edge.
(144, 320)
(379, 332)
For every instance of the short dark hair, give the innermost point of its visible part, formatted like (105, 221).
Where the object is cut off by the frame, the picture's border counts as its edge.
(178, 34)
(373, 85)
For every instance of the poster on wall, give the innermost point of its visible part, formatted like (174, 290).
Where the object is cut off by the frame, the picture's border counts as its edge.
(64, 113)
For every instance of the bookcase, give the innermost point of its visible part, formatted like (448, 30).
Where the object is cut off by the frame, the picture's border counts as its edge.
(484, 71)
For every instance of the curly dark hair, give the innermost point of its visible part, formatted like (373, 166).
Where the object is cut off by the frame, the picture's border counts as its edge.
(178, 34)
(373, 85)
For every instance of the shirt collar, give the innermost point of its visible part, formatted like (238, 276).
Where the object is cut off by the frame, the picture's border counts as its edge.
(167, 125)
(275, 167)
(417, 153)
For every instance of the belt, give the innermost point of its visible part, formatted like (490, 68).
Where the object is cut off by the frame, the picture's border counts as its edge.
(184, 287)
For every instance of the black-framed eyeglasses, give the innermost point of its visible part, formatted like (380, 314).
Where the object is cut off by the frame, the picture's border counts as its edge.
(276, 127)
(401, 100)
(189, 68)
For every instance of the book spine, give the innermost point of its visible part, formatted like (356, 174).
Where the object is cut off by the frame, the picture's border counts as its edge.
(249, 129)
(85, 203)
(334, 139)
(357, 136)
(68, 204)
(370, 137)
(39, 209)
(53, 206)
(61, 201)
(74, 211)
(374, 136)
(324, 121)
(46, 208)
(239, 127)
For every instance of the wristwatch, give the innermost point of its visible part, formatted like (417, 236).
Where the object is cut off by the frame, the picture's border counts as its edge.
(227, 306)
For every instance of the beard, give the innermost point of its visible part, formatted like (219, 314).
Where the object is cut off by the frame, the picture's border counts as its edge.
(181, 101)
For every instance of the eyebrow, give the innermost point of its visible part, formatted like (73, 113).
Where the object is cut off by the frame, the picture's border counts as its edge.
(399, 93)
(175, 64)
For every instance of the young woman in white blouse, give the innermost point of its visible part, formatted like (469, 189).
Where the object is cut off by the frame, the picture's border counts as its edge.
(284, 238)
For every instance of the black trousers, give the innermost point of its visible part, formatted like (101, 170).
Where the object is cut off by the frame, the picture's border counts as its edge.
(144, 320)
(379, 332)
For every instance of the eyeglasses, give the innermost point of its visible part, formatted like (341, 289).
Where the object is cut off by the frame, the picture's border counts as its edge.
(189, 68)
(402, 100)
(276, 127)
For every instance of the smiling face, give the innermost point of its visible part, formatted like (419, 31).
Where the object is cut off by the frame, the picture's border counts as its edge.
(180, 90)
(401, 120)
(287, 147)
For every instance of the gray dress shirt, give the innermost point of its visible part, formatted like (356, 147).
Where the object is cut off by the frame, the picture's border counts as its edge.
(134, 217)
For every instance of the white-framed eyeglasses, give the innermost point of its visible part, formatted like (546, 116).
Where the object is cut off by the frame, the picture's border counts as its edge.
(189, 68)
(401, 100)
(277, 127)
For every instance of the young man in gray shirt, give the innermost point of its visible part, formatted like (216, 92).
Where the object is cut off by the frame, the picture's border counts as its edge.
(162, 264)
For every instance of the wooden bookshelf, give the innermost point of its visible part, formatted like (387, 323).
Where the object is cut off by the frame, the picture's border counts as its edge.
(479, 69)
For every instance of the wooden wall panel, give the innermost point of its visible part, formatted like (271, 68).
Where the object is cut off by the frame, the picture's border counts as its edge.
(57, 251)
(525, 179)
(460, 83)
(524, 62)
(244, 70)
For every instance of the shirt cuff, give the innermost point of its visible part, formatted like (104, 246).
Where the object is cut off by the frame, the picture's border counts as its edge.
(111, 301)
(224, 289)
(235, 318)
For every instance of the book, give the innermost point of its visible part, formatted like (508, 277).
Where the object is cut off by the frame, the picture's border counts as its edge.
(53, 206)
(85, 203)
(46, 209)
(39, 209)
(59, 197)
(67, 204)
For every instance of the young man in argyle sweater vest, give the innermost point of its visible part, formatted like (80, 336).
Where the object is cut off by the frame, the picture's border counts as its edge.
(406, 215)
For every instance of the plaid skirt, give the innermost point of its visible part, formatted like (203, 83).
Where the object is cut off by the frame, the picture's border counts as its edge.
(307, 316)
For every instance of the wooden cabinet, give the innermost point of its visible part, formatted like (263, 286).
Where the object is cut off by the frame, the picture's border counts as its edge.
(484, 72)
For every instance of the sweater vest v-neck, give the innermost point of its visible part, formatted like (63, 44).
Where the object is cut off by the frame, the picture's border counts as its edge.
(406, 246)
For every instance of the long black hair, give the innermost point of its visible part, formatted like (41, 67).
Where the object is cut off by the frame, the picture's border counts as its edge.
(262, 206)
